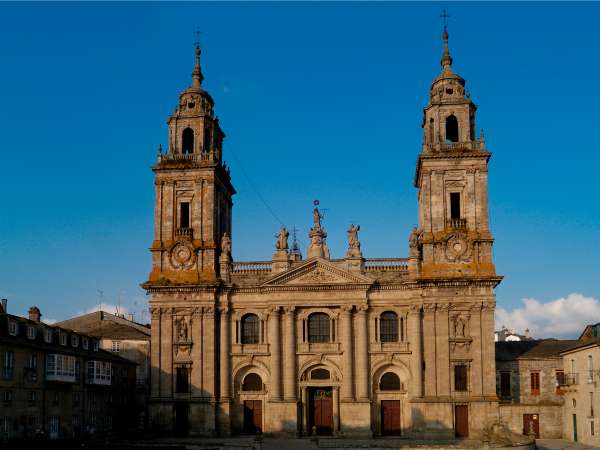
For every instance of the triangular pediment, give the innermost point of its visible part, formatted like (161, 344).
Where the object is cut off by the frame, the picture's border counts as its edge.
(317, 271)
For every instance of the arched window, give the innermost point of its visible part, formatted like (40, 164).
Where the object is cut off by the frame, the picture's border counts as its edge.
(252, 382)
(389, 382)
(187, 141)
(319, 374)
(388, 327)
(451, 128)
(250, 329)
(318, 328)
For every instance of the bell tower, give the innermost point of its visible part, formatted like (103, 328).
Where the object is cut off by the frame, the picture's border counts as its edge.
(453, 238)
(193, 192)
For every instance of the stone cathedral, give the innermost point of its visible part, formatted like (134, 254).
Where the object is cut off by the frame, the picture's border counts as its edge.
(316, 345)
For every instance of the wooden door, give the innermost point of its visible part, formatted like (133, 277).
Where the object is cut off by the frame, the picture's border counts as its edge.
(390, 417)
(181, 419)
(461, 421)
(531, 423)
(575, 427)
(321, 411)
(252, 416)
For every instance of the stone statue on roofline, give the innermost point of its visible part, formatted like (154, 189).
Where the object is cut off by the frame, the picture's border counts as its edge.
(282, 239)
(353, 242)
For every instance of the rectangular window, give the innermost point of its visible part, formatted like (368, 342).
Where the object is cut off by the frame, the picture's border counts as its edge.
(505, 384)
(95, 346)
(9, 365)
(31, 332)
(184, 215)
(32, 396)
(99, 372)
(591, 404)
(76, 398)
(460, 377)
(63, 339)
(84, 343)
(592, 430)
(53, 426)
(48, 336)
(182, 380)
(116, 346)
(74, 341)
(535, 383)
(560, 378)
(7, 396)
(12, 328)
(455, 205)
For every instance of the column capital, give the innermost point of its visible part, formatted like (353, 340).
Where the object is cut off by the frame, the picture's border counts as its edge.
(429, 308)
(488, 306)
(346, 309)
(274, 309)
(197, 312)
(209, 310)
(155, 313)
(289, 309)
(415, 308)
(362, 308)
(224, 310)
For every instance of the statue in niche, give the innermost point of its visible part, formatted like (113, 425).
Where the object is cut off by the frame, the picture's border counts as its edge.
(226, 244)
(353, 242)
(282, 239)
(459, 327)
(182, 330)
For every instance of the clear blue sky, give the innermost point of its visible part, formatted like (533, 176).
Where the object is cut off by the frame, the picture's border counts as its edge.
(318, 101)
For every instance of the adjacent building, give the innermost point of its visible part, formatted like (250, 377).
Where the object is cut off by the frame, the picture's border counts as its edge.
(59, 383)
(582, 388)
(344, 346)
(124, 337)
(530, 381)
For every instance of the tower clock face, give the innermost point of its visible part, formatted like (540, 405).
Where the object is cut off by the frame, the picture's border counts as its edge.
(182, 255)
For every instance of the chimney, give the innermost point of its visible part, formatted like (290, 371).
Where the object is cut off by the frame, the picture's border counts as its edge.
(130, 317)
(4, 306)
(35, 314)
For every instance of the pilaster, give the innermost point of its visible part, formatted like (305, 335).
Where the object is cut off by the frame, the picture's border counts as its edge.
(155, 351)
(429, 350)
(442, 346)
(275, 348)
(197, 343)
(414, 326)
(347, 358)
(362, 354)
(166, 353)
(225, 363)
(208, 356)
(488, 359)
(289, 367)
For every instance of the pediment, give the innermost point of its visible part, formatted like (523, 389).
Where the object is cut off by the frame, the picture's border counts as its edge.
(317, 272)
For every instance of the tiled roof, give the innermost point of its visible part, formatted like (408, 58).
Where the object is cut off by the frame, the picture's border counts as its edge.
(541, 348)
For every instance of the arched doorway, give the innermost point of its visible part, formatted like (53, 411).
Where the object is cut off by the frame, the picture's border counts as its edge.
(319, 386)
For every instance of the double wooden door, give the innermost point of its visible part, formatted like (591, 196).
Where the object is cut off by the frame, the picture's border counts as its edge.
(531, 423)
(320, 418)
(390, 417)
(461, 421)
(252, 416)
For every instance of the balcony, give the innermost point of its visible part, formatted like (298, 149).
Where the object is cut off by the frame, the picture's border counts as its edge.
(196, 157)
(457, 224)
(184, 232)
(570, 379)
(473, 145)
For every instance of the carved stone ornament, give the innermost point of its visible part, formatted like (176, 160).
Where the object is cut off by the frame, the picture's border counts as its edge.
(182, 255)
(182, 329)
(319, 275)
(458, 247)
(460, 326)
(182, 352)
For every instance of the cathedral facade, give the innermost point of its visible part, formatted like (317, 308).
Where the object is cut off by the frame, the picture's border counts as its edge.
(316, 345)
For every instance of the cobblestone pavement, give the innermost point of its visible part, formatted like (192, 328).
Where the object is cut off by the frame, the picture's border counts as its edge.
(559, 444)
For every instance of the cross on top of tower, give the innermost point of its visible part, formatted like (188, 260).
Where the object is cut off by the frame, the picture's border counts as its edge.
(444, 15)
(197, 33)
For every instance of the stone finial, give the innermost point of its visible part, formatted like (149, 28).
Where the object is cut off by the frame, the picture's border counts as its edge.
(318, 246)
(353, 242)
(282, 239)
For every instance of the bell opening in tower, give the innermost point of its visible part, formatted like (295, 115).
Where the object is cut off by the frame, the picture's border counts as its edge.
(187, 141)
(451, 128)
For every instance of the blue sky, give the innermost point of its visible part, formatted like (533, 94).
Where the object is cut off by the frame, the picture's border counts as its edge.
(318, 100)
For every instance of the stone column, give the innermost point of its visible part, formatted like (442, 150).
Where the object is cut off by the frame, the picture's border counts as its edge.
(155, 349)
(414, 326)
(362, 353)
(225, 368)
(348, 360)
(197, 352)
(208, 360)
(289, 366)
(429, 350)
(275, 348)
(166, 353)
(336, 410)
